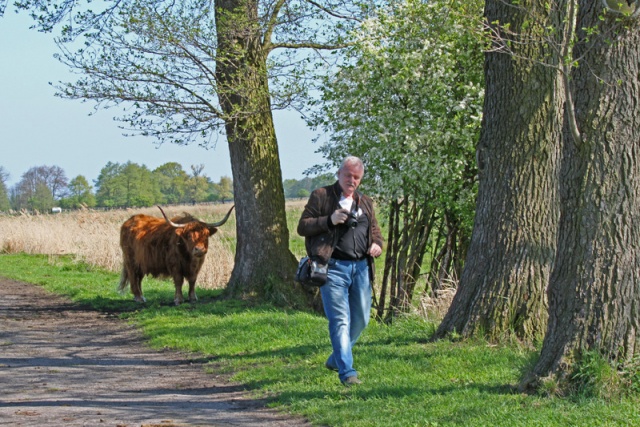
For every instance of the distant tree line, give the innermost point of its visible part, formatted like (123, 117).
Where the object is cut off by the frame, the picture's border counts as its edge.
(4, 192)
(302, 188)
(118, 185)
(127, 185)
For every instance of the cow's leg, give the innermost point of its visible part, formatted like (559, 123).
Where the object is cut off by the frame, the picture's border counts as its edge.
(192, 291)
(124, 279)
(178, 298)
(136, 286)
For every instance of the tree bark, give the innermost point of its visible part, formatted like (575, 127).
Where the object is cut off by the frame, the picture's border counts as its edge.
(511, 253)
(390, 259)
(594, 292)
(263, 259)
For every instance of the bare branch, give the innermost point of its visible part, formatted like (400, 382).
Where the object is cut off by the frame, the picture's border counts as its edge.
(332, 13)
(271, 24)
(310, 45)
(567, 54)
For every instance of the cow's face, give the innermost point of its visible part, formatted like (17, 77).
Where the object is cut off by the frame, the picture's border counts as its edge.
(196, 238)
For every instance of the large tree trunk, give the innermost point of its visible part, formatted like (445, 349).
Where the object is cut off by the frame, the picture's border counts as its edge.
(263, 259)
(594, 292)
(502, 288)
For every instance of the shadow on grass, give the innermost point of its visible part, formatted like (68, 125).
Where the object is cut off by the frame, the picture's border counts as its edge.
(156, 299)
(278, 350)
(371, 390)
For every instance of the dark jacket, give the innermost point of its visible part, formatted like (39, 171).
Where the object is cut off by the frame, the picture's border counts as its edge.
(320, 234)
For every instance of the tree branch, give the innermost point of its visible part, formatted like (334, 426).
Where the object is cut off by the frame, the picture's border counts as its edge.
(331, 12)
(567, 60)
(310, 45)
(271, 24)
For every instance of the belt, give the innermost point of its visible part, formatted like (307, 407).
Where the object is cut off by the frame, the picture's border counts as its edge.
(339, 258)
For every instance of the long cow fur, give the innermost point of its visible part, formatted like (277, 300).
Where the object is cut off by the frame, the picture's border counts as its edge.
(161, 247)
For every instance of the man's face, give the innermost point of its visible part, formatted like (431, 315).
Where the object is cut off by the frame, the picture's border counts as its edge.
(349, 178)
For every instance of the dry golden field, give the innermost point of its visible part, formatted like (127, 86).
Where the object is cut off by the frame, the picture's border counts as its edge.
(94, 237)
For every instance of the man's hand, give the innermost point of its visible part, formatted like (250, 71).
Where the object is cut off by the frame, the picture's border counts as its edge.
(375, 250)
(339, 216)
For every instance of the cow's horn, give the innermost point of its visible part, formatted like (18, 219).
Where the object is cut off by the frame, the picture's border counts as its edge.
(169, 221)
(219, 223)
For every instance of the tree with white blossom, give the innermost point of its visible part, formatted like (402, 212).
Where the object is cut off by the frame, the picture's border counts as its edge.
(408, 100)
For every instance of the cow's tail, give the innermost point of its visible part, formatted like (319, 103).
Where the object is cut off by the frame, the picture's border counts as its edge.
(124, 281)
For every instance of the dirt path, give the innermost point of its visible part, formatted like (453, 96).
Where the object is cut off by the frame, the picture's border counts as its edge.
(61, 365)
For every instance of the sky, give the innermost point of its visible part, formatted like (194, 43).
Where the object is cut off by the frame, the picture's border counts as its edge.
(39, 129)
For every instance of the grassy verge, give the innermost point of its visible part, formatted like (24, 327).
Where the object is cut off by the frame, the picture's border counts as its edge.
(279, 354)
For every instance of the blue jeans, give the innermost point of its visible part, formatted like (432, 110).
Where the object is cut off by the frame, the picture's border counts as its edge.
(347, 304)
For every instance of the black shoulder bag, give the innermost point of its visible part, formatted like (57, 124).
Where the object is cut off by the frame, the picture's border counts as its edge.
(311, 273)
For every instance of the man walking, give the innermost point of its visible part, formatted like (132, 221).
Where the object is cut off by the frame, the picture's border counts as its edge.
(341, 231)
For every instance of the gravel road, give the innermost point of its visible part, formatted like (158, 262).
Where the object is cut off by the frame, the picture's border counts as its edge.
(62, 365)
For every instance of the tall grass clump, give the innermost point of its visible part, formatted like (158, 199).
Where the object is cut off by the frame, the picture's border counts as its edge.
(93, 237)
(434, 307)
(594, 376)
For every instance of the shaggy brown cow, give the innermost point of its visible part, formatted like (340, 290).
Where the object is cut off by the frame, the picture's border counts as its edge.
(164, 248)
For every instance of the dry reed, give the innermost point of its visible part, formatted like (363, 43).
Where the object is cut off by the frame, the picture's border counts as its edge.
(435, 307)
(94, 237)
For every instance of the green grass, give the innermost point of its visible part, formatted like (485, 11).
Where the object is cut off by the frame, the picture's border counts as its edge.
(296, 242)
(279, 355)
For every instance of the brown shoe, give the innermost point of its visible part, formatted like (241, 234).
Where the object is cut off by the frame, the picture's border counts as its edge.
(349, 381)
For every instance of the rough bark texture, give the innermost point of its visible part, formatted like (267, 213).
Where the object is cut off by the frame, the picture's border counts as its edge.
(262, 257)
(594, 293)
(502, 288)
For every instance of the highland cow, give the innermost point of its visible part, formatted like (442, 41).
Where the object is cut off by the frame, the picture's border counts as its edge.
(174, 248)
